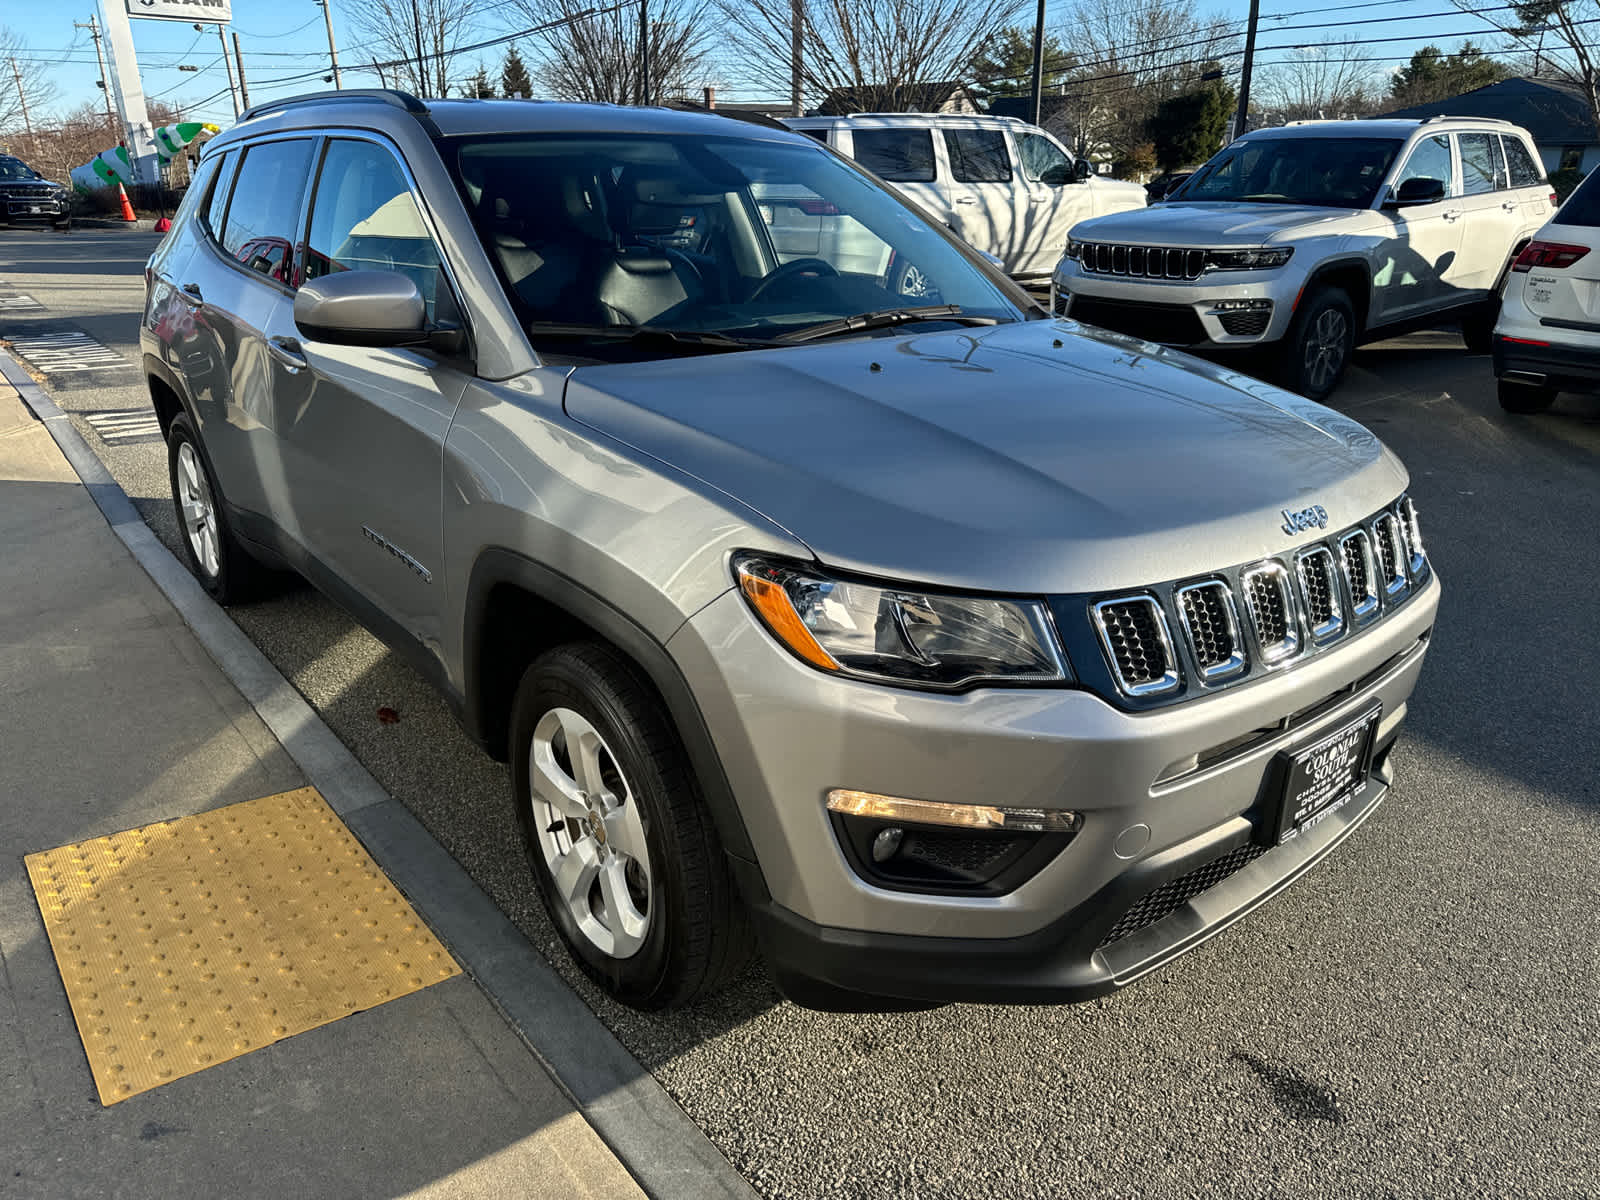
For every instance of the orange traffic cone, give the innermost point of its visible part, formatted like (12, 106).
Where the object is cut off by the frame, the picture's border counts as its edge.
(127, 209)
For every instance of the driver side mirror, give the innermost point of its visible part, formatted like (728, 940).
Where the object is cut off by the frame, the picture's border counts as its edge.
(1056, 176)
(1421, 190)
(370, 308)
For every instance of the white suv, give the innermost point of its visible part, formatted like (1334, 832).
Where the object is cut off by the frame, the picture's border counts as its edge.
(1008, 188)
(1318, 236)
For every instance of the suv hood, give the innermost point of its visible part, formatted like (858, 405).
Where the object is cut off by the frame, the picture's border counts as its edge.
(1210, 224)
(1036, 457)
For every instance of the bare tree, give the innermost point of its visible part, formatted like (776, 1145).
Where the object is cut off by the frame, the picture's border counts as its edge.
(1132, 55)
(1563, 35)
(421, 38)
(882, 51)
(1329, 81)
(596, 57)
(34, 87)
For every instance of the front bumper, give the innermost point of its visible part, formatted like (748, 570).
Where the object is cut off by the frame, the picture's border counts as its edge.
(787, 734)
(31, 208)
(1178, 313)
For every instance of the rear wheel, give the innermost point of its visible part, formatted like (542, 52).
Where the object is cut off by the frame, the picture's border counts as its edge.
(623, 849)
(1319, 344)
(1477, 327)
(1525, 397)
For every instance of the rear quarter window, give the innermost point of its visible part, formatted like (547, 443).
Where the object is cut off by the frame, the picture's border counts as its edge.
(896, 155)
(1520, 165)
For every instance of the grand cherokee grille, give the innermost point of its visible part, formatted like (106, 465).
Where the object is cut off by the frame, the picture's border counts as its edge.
(1238, 623)
(1149, 262)
(1169, 324)
(1134, 633)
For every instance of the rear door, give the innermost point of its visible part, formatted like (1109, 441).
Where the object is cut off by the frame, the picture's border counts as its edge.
(1053, 201)
(361, 429)
(1491, 212)
(1418, 259)
(1528, 181)
(983, 192)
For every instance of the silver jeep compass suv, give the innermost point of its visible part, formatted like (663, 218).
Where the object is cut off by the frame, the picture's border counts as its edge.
(942, 652)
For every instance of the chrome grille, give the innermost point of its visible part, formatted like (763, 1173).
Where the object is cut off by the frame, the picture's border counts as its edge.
(1360, 573)
(1391, 554)
(1416, 558)
(1319, 588)
(1149, 262)
(1133, 631)
(1272, 611)
(1211, 625)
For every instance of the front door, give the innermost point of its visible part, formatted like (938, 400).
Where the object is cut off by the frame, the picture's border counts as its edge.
(362, 429)
(983, 193)
(1418, 258)
(1051, 202)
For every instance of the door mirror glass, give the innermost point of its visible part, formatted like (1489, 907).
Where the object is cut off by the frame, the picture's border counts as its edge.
(1418, 190)
(1081, 170)
(362, 308)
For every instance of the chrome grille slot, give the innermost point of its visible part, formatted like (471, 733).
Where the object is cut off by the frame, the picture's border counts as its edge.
(1133, 631)
(1319, 588)
(1272, 611)
(1360, 573)
(1416, 557)
(1150, 262)
(1391, 554)
(1211, 625)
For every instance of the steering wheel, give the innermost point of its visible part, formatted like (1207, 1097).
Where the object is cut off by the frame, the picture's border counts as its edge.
(789, 270)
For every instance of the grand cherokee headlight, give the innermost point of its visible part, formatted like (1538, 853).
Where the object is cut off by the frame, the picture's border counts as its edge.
(1074, 248)
(1247, 260)
(901, 635)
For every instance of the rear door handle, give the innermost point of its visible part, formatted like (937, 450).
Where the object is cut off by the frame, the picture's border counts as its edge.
(287, 351)
(1509, 205)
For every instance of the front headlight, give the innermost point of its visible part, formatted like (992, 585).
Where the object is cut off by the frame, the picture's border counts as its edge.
(1247, 260)
(1074, 249)
(900, 635)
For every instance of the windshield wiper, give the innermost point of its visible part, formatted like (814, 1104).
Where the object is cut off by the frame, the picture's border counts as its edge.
(646, 334)
(880, 319)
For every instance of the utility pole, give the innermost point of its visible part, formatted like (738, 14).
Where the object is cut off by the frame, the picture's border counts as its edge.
(227, 65)
(105, 85)
(1239, 125)
(797, 31)
(1038, 65)
(22, 97)
(382, 82)
(333, 51)
(644, 52)
(238, 58)
(422, 70)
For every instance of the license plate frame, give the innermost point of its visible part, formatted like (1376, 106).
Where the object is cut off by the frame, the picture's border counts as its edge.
(1316, 780)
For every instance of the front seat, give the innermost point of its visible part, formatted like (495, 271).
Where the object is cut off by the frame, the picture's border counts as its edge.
(644, 281)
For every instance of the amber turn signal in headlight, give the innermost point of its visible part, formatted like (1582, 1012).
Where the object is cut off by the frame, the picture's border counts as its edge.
(960, 816)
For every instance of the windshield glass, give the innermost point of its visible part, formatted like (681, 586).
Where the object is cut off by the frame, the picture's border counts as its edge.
(11, 168)
(737, 236)
(1333, 172)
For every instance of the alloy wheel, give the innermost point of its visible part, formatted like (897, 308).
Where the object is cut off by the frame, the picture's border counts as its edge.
(590, 833)
(1325, 349)
(199, 510)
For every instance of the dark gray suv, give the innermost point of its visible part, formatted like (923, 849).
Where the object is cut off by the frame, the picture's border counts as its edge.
(942, 652)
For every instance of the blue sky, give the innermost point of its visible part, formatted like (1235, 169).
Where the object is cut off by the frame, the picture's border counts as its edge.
(283, 38)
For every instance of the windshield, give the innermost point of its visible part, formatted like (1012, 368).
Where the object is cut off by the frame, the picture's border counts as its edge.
(1332, 172)
(734, 236)
(11, 168)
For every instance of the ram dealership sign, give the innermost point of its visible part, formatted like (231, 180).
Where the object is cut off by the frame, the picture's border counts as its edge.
(212, 12)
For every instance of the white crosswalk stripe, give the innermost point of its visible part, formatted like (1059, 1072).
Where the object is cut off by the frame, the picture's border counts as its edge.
(58, 353)
(123, 426)
(20, 303)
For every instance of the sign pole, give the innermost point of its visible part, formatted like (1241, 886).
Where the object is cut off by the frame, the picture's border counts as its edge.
(136, 131)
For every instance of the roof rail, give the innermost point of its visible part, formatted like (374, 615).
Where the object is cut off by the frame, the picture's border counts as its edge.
(1464, 117)
(937, 116)
(392, 96)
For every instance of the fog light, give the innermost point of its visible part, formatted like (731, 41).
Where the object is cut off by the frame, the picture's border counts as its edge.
(961, 816)
(886, 843)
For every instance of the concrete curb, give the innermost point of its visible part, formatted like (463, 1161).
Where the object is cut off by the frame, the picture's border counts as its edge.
(141, 225)
(643, 1126)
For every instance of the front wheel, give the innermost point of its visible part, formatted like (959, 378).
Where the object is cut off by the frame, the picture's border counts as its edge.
(622, 846)
(1524, 398)
(1319, 345)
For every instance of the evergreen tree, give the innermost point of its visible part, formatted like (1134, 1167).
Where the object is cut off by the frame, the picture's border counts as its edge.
(514, 79)
(479, 87)
(1434, 75)
(1188, 128)
(1003, 65)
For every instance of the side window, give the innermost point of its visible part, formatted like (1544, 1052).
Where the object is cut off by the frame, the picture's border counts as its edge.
(820, 135)
(217, 203)
(978, 155)
(364, 218)
(264, 214)
(1430, 159)
(1482, 168)
(198, 194)
(896, 155)
(1524, 172)
(1039, 154)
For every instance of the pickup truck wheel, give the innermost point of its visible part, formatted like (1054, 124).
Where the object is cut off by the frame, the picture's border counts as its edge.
(1319, 344)
(1524, 397)
(1477, 327)
(224, 568)
(622, 847)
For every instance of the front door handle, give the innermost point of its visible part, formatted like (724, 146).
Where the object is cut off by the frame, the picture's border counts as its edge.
(1451, 214)
(965, 200)
(287, 351)
(190, 293)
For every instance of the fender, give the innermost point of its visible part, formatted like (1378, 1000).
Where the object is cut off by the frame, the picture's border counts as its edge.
(498, 565)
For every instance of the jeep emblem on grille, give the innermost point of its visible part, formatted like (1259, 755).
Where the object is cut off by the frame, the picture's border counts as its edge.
(1307, 518)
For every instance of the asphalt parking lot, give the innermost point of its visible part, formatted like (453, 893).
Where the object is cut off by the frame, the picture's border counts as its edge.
(1416, 1017)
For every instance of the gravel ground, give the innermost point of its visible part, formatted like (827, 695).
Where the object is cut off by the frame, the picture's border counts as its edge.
(1416, 1017)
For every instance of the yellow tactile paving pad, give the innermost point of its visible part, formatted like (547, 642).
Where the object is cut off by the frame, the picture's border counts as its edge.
(190, 942)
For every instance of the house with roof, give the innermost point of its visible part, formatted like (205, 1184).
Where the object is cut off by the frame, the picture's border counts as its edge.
(1555, 113)
(944, 96)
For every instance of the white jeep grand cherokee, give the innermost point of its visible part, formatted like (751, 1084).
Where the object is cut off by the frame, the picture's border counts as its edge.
(1317, 236)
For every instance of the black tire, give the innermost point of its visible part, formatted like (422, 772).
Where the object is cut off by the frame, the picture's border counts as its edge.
(698, 934)
(1321, 340)
(1477, 327)
(1524, 398)
(229, 574)
(64, 226)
